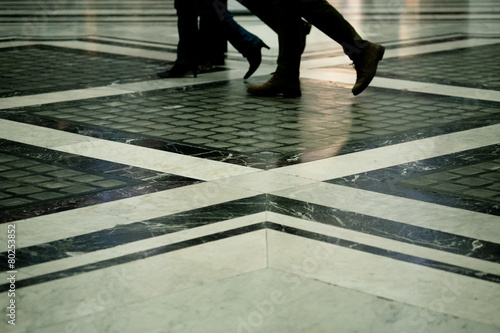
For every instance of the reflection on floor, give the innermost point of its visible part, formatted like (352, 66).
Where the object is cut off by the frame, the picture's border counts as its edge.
(186, 205)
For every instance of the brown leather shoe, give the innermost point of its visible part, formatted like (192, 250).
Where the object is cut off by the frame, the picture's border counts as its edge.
(277, 85)
(366, 66)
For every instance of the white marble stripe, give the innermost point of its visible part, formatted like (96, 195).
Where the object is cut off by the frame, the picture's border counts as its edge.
(119, 89)
(95, 46)
(378, 158)
(427, 288)
(422, 17)
(401, 9)
(56, 21)
(54, 11)
(9, 44)
(439, 47)
(83, 2)
(417, 213)
(349, 77)
(131, 42)
(137, 281)
(248, 299)
(384, 243)
(319, 44)
(79, 221)
(152, 159)
(265, 182)
(60, 96)
(80, 259)
(39, 136)
(146, 158)
(114, 49)
(403, 51)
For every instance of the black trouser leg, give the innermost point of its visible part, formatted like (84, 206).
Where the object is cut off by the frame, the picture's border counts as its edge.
(187, 27)
(290, 30)
(333, 24)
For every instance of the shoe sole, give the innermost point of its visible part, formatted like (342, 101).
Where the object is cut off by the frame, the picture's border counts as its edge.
(380, 56)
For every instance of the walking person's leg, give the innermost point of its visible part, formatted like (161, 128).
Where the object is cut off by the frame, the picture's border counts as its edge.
(292, 31)
(325, 17)
(187, 47)
(364, 54)
(248, 44)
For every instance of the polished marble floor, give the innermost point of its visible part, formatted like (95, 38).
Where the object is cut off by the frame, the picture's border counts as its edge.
(136, 204)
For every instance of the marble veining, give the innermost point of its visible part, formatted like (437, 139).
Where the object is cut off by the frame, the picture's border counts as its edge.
(390, 254)
(117, 181)
(429, 180)
(128, 233)
(132, 257)
(388, 229)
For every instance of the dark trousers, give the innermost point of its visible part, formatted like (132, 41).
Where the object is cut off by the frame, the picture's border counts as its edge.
(197, 45)
(286, 22)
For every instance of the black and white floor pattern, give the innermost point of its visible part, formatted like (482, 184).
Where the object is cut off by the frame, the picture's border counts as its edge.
(187, 205)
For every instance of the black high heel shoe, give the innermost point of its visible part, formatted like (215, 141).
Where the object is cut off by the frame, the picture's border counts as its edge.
(179, 71)
(254, 58)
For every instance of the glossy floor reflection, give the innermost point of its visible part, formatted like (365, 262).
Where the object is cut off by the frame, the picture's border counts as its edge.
(187, 205)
